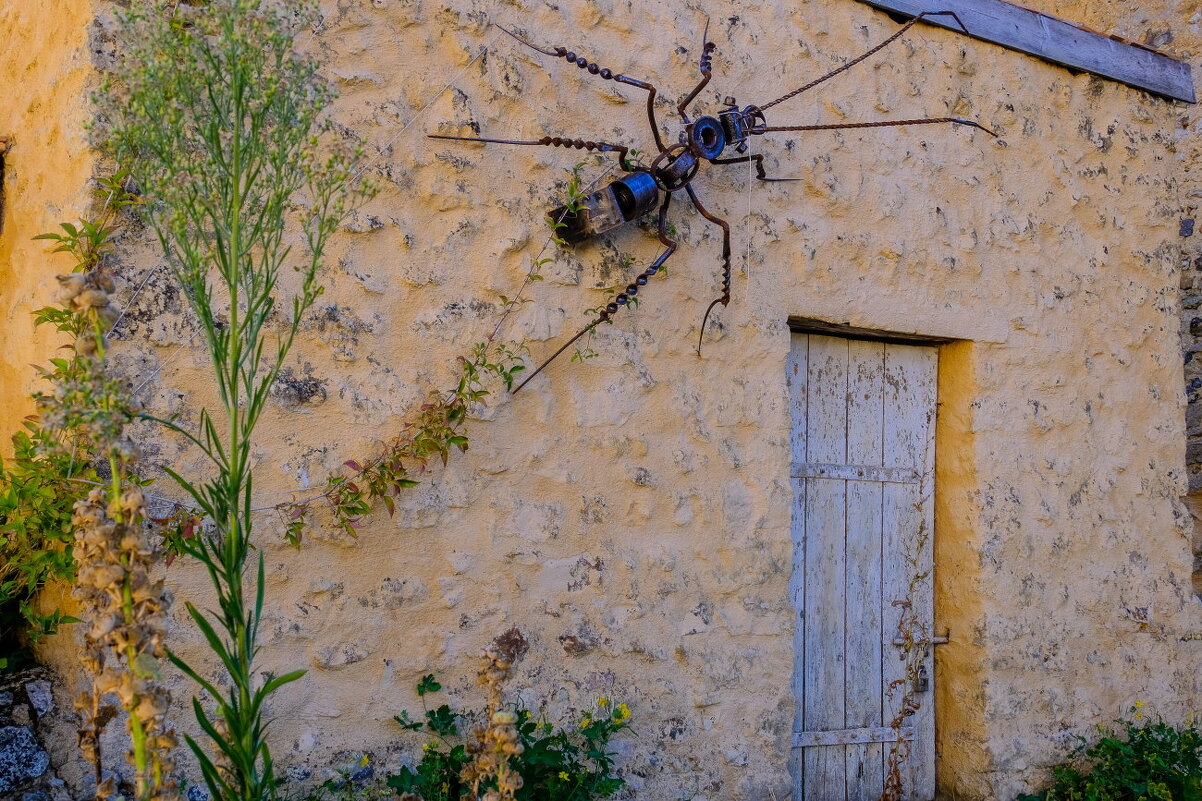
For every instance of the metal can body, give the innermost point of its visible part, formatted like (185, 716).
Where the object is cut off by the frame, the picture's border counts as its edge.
(621, 201)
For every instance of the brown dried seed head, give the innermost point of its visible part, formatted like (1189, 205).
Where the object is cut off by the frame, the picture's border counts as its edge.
(132, 499)
(108, 314)
(69, 286)
(85, 345)
(91, 298)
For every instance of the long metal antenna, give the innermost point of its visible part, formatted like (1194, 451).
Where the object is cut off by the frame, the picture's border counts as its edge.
(882, 124)
(860, 58)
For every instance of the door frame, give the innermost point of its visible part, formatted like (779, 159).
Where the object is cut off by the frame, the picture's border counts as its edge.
(807, 326)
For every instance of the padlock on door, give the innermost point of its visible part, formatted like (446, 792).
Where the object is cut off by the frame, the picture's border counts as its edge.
(922, 681)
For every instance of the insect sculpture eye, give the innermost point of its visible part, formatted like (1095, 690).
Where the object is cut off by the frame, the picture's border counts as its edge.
(706, 138)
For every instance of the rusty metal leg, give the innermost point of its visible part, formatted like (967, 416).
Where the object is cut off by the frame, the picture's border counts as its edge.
(758, 158)
(622, 298)
(707, 56)
(725, 298)
(551, 141)
(843, 126)
(605, 73)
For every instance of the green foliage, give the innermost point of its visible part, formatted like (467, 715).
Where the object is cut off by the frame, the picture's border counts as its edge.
(37, 491)
(572, 764)
(221, 123)
(436, 777)
(347, 786)
(435, 434)
(575, 195)
(82, 416)
(1147, 761)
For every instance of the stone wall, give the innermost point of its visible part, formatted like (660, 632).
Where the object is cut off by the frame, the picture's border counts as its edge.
(33, 723)
(631, 515)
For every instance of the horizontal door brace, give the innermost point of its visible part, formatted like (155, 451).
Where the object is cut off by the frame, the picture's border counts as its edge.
(857, 472)
(929, 641)
(881, 734)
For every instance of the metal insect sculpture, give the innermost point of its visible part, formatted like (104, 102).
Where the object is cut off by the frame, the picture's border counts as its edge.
(720, 139)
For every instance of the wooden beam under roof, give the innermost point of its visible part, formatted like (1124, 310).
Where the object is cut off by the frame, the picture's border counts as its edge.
(1057, 41)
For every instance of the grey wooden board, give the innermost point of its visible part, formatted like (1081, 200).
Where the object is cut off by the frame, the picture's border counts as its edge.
(910, 378)
(1057, 41)
(862, 570)
(824, 661)
(797, 378)
(863, 417)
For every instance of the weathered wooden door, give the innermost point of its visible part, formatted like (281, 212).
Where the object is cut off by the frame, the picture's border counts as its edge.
(863, 462)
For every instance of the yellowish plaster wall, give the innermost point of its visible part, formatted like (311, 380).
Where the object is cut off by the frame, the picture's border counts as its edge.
(631, 515)
(961, 731)
(45, 67)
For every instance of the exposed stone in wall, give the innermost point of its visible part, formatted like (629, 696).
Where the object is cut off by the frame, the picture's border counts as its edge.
(1186, 40)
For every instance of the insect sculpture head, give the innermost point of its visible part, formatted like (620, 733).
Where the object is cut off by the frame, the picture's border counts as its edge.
(718, 139)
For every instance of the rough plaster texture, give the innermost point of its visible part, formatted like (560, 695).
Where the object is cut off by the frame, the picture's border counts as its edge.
(44, 70)
(631, 515)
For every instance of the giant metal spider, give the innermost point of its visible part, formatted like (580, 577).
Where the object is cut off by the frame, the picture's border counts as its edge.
(674, 167)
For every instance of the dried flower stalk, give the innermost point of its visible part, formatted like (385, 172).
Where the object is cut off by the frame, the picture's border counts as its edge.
(123, 608)
(497, 739)
(124, 641)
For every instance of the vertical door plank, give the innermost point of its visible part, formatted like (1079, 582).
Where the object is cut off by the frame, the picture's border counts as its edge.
(796, 378)
(826, 400)
(797, 595)
(824, 665)
(900, 523)
(862, 604)
(910, 385)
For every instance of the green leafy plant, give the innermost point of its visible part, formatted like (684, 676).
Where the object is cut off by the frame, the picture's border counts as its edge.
(221, 123)
(555, 764)
(52, 458)
(435, 434)
(1147, 761)
(576, 192)
(348, 785)
(84, 418)
(37, 490)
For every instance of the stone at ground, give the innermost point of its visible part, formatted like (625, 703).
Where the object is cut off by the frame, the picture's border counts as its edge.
(41, 697)
(21, 758)
(197, 793)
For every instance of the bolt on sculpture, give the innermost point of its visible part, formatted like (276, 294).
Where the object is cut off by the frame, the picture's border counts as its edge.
(708, 138)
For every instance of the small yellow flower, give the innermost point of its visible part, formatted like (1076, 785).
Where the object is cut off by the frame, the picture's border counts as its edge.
(622, 712)
(603, 701)
(1139, 704)
(428, 747)
(586, 722)
(363, 763)
(563, 775)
